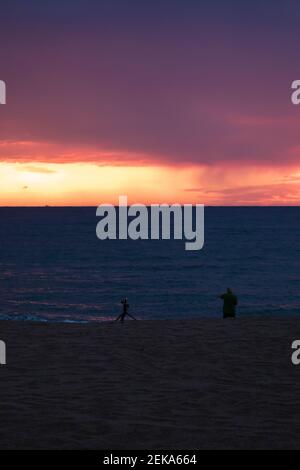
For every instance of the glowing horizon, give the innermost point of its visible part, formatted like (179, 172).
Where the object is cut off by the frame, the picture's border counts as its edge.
(88, 184)
(176, 104)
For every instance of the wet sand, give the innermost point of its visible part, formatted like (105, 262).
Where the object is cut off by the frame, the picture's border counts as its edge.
(193, 384)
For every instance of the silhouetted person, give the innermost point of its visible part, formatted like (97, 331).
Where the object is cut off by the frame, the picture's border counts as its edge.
(122, 316)
(229, 304)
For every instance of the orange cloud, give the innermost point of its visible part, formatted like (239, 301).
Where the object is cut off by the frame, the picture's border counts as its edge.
(83, 183)
(26, 151)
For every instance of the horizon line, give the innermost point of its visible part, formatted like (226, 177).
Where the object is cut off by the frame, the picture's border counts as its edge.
(48, 206)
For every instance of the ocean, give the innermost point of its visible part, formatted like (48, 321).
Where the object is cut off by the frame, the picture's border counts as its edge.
(55, 269)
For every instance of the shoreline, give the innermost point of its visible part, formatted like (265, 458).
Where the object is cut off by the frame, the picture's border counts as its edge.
(214, 318)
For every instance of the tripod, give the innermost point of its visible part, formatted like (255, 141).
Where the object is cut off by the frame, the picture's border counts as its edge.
(122, 315)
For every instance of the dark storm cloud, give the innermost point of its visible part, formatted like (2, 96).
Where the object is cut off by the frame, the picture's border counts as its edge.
(199, 82)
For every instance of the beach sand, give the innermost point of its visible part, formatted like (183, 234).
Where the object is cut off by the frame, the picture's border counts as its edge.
(192, 384)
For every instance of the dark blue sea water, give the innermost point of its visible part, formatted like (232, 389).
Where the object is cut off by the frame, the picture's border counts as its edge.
(53, 267)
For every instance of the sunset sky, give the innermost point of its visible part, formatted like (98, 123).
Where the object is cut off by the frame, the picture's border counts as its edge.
(164, 101)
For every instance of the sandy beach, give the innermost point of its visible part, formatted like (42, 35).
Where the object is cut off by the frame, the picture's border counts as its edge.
(198, 384)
